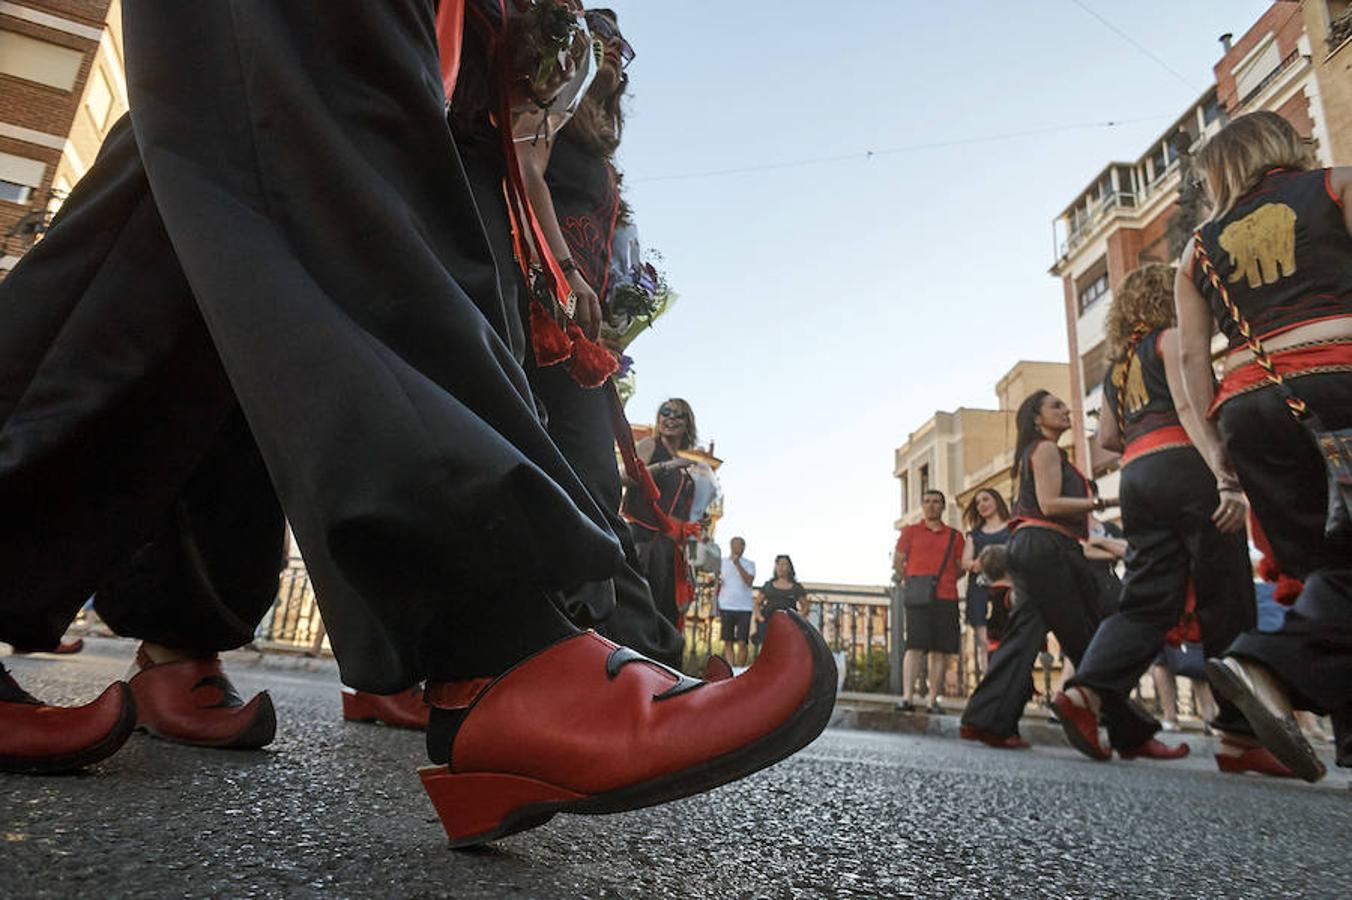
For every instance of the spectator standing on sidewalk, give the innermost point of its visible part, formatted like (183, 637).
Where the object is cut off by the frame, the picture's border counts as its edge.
(736, 600)
(987, 521)
(927, 560)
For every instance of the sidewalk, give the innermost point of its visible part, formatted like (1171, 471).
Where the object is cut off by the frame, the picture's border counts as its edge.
(877, 712)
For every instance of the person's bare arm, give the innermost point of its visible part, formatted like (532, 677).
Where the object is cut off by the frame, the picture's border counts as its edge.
(1110, 437)
(1340, 179)
(1233, 510)
(534, 156)
(969, 562)
(1046, 462)
(747, 577)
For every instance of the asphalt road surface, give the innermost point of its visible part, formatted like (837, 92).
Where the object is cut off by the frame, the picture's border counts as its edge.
(335, 810)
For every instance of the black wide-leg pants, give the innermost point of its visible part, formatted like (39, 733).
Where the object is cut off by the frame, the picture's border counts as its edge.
(622, 608)
(1168, 498)
(311, 195)
(1284, 477)
(1054, 590)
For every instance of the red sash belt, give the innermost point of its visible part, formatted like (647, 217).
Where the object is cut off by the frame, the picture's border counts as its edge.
(1033, 522)
(1331, 356)
(1160, 439)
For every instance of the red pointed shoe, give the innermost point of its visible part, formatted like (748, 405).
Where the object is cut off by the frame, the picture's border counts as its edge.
(585, 726)
(1155, 749)
(716, 668)
(64, 648)
(1253, 759)
(990, 739)
(40, 739)
(403, 710)
(192, 702)
(1081, 727)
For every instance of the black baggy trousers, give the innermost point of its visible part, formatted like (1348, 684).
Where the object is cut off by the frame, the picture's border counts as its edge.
(1284, 477)
(1054, 589)
(294, 252)
(1168, 498)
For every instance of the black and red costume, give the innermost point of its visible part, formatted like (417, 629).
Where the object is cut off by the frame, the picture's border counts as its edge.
(1168, 496)
(1054, 590)
(1285, 255)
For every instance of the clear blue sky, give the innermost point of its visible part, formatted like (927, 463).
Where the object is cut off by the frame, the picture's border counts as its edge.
(828, 310)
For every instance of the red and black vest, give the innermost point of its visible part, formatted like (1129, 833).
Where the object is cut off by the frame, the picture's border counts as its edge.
(1136, 390)
(1284, 252)
(582, 185)
(1073, 484)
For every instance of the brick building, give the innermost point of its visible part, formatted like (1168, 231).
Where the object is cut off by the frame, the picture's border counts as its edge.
(62, 86)
(1143, 210)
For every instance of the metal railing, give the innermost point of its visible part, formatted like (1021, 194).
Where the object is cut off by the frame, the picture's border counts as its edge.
(294, 618)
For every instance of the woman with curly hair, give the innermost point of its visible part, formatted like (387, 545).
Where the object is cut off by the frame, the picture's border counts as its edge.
(1272, 268)
(1179, 528)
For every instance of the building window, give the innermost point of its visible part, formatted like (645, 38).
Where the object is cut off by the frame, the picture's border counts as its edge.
(1090, 293)
(1094, 365)
(19, 175)
(14, 193)
(1253, 75)
(33, 60)
(905, 494)
(98, 99)
(924, 479)
(1212, 111)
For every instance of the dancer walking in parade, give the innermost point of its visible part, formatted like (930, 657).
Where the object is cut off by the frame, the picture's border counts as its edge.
(1053, 588)
(1272, 268)
(1180, 528)
(212, 302)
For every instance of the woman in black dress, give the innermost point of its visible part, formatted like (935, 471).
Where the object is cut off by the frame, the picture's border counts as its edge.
(987, 520)
(659, 532)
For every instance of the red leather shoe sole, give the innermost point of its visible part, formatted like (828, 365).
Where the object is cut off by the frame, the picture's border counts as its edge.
(85, 756)
(1079, 723)
(972, 733)
(1281, 737)
(1155, 749)
(1255, 759)
(476, 808)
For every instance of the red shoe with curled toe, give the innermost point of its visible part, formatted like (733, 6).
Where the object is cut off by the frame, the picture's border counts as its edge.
(1253, 759)
(716, 668)
(191, 701)
(40, 739)
(586, 726)
(1153, 749)
(990, 739)
(1080, 725)
(403, 710)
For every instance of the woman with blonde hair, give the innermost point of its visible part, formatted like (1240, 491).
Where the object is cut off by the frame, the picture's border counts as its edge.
(674, 432)
(1179, 529)
(1272, 268)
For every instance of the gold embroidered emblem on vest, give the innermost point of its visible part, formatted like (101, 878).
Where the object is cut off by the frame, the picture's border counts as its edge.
(1136, 394)
(1262, 245)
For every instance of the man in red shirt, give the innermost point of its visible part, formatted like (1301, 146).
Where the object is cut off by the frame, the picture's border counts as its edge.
(929, 548)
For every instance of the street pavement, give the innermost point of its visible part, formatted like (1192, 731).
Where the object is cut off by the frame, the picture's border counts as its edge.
(335, 809)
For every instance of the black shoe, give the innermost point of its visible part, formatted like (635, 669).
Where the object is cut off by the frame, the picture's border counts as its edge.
(906, 706)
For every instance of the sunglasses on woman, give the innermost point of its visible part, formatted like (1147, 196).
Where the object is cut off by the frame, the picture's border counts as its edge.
(606, 30)
(667, 412)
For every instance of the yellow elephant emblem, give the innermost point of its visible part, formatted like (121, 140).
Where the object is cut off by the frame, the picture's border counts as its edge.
(1129, 381)
(1262, 245)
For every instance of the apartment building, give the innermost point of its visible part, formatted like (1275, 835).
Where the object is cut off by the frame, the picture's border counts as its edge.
(62, 86)
(962, 451)
(1142, 210)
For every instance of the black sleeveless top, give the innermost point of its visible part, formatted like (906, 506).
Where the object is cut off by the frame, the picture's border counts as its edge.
(582, 186)
(1073, 484)
(1284, 253)
(676, 493)
(1139, 380)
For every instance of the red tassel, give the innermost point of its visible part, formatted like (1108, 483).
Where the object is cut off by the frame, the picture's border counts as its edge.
(550, 343)
(592, 364)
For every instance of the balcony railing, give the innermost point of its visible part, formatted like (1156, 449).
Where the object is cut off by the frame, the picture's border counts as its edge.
(1268, 79)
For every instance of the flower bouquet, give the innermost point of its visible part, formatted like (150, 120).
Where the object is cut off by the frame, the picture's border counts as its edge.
(637, 300)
